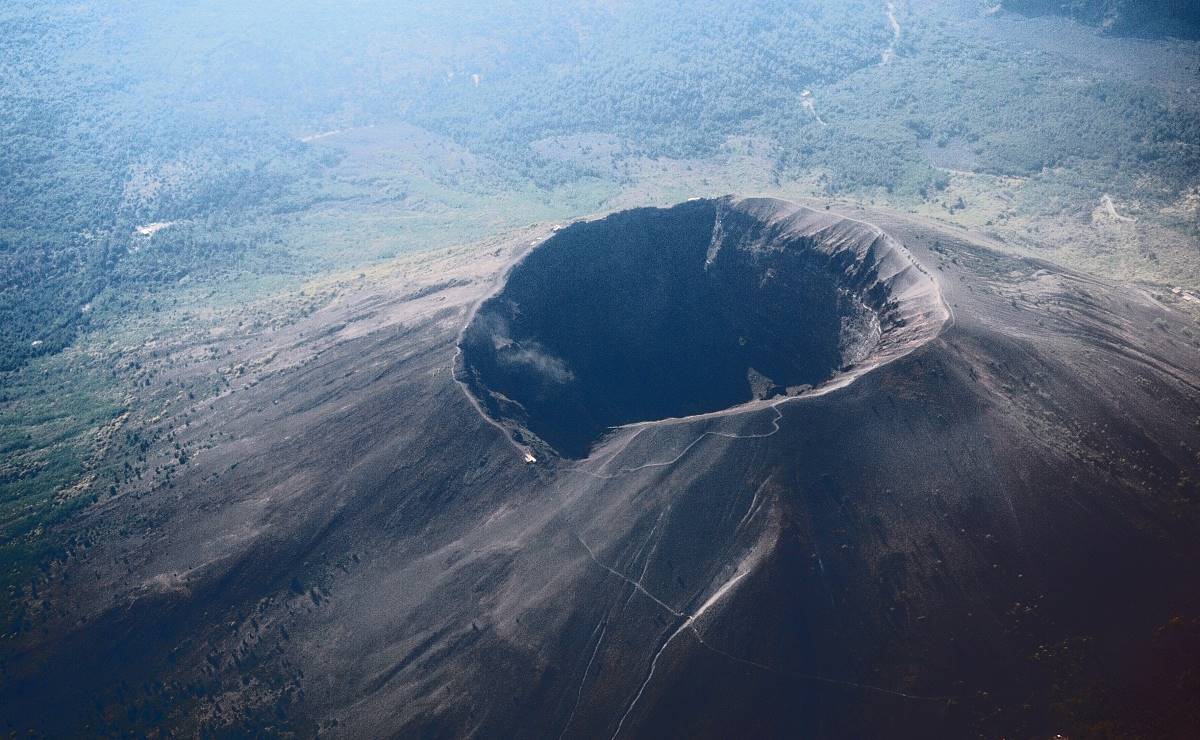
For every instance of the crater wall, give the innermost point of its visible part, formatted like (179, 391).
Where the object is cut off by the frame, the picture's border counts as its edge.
(657, 313)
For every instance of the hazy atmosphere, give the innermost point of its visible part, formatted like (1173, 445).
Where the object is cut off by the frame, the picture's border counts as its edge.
(600, 368)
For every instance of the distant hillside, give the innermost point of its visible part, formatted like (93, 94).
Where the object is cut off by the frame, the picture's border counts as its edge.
(1134, 17)
(102, 135)
(141, 113)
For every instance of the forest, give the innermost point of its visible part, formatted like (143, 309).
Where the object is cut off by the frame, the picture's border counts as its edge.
(201, 122)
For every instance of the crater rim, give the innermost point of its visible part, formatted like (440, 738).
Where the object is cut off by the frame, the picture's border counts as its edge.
(903, 297)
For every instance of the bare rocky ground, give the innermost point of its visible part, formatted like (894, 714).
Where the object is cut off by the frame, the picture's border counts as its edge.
(994, 533)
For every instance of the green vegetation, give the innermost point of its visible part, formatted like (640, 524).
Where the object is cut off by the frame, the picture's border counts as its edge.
(56, 425)
(137, 115)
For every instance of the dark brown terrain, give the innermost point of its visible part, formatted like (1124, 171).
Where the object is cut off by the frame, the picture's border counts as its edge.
(795, 475)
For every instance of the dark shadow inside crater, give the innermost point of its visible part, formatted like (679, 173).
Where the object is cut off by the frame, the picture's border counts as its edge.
(657, 313)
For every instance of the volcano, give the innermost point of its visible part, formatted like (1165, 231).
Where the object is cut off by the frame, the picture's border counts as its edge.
(738, 467)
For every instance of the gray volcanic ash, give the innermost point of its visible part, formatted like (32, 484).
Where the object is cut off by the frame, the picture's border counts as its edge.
(796, 476)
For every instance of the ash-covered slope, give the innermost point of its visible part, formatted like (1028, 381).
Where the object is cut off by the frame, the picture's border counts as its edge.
(994, 532)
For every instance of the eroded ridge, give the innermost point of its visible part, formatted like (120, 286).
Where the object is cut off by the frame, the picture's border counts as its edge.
(708, 306)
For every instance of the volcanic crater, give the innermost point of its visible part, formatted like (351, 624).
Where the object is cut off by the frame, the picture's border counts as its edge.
(963, 541)
(707, 306)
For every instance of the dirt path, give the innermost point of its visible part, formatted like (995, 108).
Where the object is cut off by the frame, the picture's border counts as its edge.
(806, 99)
(890, 53)
(1111, 207)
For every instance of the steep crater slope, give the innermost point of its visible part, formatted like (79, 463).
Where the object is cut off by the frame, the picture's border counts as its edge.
(653, 313)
